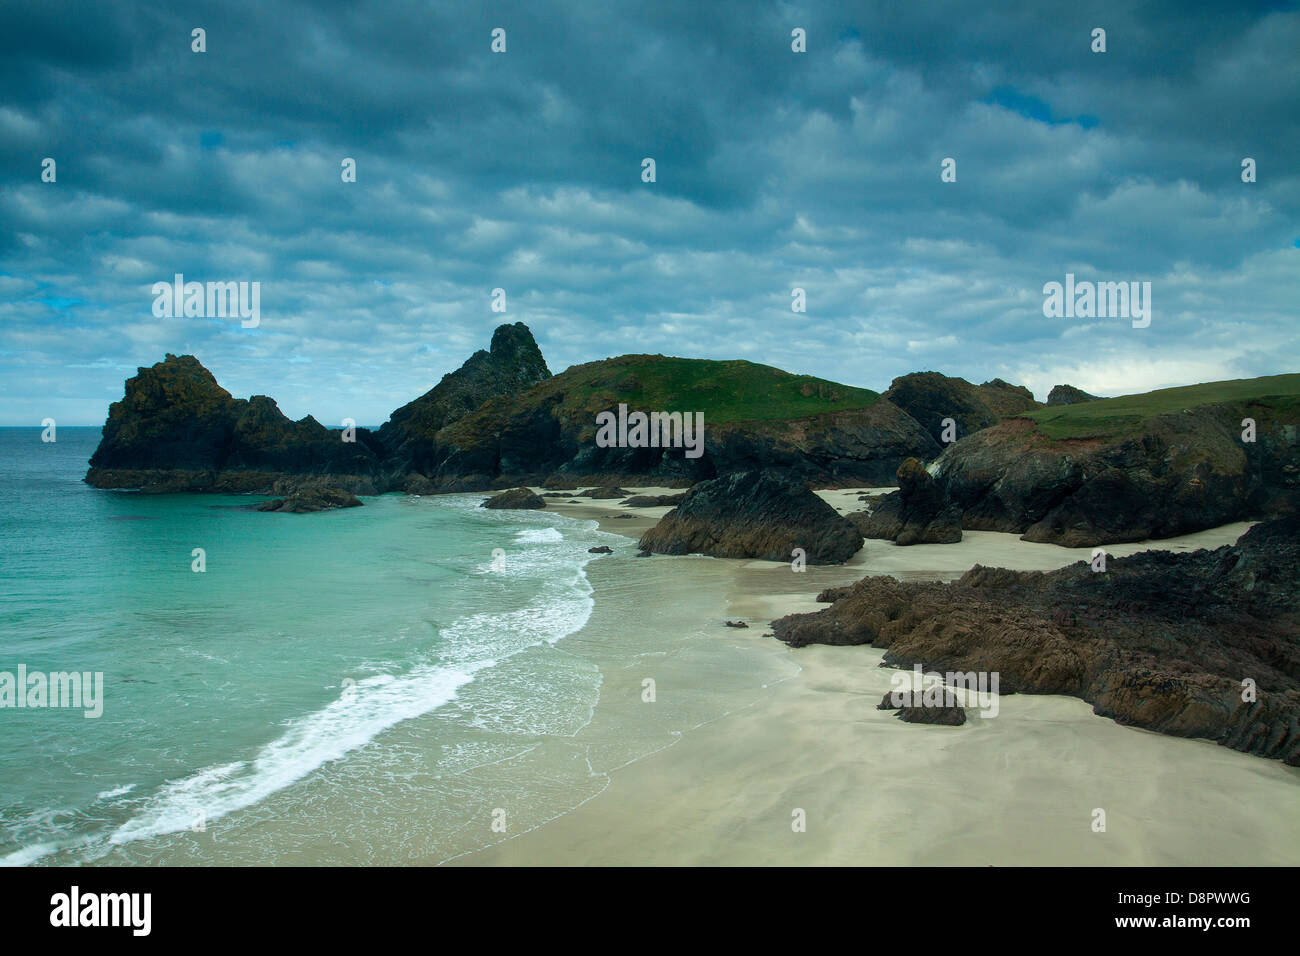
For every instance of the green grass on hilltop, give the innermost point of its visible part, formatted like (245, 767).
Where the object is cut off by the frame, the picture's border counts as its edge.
(1116, 417)
(724, 391)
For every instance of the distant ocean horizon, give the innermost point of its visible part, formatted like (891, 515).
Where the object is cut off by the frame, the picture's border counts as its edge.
(304, 639)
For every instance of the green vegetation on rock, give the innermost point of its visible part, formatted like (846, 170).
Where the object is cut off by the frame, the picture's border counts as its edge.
(725, 391)
(1274, 395)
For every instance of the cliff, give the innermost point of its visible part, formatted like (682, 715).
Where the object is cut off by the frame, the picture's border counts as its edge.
(512, 365)
(1155, 465)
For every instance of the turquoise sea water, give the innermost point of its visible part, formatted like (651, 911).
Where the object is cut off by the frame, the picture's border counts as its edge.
(306, 637)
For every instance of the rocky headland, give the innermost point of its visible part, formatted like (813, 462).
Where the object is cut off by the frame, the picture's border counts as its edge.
(176, 429)
(1156, 465)
(1083, 473)
(503, 420)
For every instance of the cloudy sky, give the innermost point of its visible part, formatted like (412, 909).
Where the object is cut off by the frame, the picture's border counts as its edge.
(522, 170)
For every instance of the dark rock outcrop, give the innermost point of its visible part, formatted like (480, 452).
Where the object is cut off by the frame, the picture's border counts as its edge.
(516, 499)
(655, 501)
(930, 397)
(604, 494)
(1167, 475)
(754, 515)
(917, 513)
(176, 429)
(312, 497)
(1160, 640)
(512, 365)
(1069, 395)
(943, 716)
(915, 712)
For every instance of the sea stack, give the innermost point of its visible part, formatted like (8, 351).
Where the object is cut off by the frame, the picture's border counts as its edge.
(755, 514)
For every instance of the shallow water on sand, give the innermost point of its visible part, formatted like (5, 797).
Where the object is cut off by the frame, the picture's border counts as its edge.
(380, 684)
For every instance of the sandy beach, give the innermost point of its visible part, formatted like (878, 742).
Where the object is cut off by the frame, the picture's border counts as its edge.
(1021, 788)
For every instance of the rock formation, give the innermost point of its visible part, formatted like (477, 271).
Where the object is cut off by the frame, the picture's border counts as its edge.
(1159, 640)
(1068, 395)
(311, 497)
(654, 501)
(949, 715)
(1108, 470)
(917, 513)
(503, 420)
(1170, 474)
(606, 493)
(930, 397)
(754, 515)
(512, 365)
(176, 429)
(515, 498)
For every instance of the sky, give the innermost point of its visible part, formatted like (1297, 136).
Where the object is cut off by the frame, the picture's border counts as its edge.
(522, 170)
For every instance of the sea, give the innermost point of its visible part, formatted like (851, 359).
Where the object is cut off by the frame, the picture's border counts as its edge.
(383, 684)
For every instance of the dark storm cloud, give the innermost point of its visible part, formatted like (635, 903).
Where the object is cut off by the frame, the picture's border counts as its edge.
(522, 171)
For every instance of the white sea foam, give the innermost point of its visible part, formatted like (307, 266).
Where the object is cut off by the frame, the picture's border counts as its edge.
(376, 703)
(28, 854)
(539, 535)
(353, 720)
(115, 792)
